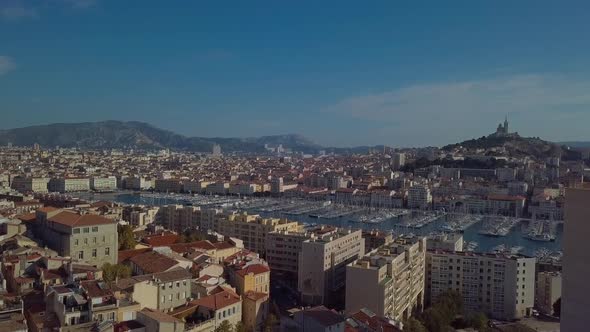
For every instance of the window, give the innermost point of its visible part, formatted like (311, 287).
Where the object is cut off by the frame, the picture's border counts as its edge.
(76, 242)
(163, 299)
(184, 295)
(107, 251)
(86, 230)
(85, 241)
(94, 240)
(169, 285)
(104, 238)
(112, 316)
(93, 252)
(170, 298)
(100, 317)
(81, 255)
(76, 231)
(178, 296)
(94, 229)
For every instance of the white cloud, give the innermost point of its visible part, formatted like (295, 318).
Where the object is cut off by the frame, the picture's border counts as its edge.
(6, 64)
(446, 111)
(14, 10)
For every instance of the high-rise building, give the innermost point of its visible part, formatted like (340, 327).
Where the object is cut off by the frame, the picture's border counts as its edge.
(398, 160)
(502, 286)
(389, 281)
(216, 150)
(575, 299)
(323, 261)
(276, 185)
(548, 291)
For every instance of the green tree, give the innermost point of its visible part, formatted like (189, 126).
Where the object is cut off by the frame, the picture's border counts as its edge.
(240, 327)
(110, 272)
(225, 326)
(414, 325)
(126, 237)
(478, 321)
(557, 308)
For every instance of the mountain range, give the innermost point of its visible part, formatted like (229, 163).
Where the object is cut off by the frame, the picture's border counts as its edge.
(140, 135)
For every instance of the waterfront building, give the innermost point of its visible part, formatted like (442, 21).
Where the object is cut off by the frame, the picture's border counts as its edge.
(69, 184)
(502, 286)
(388, 281)
(108, 183)
(323, 261)
(29, 184)
(575, 299)
(419, 197)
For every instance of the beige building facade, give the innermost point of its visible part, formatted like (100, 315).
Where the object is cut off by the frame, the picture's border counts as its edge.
(502, 286)
(322, 264)
(388, 281)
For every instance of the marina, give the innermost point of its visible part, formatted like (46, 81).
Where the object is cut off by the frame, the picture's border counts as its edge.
(498, 226)
(400, 222)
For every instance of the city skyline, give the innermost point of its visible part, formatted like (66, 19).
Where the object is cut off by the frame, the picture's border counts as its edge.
(343, 76)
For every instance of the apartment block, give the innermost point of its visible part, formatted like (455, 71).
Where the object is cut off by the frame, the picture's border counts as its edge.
(445, 241)
(419, 197)
(548, 291)
(108, 183)
(71, 184)
(29, 184)
(388, 281)
(178, 217)
(89, 238)
(375, 239)
(282, 252)
(252, 229)
(323, 261)
(502, 286)
(162, 291)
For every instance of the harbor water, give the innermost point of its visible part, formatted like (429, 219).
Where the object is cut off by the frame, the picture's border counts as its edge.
(485, 243)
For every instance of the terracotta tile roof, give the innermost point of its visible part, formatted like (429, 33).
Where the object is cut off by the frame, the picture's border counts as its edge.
(95, 289)
(127, 254)
(256, 296)
(160, 240)
(254, 269)
(223, 245)
(375, 322)
(159, 316)
(186, 247)
(129, 325)
(222, 298)
(27, 217)
(153, 262)
(71, 219)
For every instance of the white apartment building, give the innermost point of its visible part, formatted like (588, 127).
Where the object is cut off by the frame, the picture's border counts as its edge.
(419, 197)
(502, 286)
(389, 281)
(108, 183)
(548, 291)
(323, 261)
(65, 185)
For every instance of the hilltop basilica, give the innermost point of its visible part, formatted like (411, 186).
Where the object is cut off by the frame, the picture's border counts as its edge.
(502, 130)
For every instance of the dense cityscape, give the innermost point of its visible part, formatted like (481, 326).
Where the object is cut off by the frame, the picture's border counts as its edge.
(387, 240)
(294, 166)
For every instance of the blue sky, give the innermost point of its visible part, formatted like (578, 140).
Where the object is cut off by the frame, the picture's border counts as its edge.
(339, 72)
